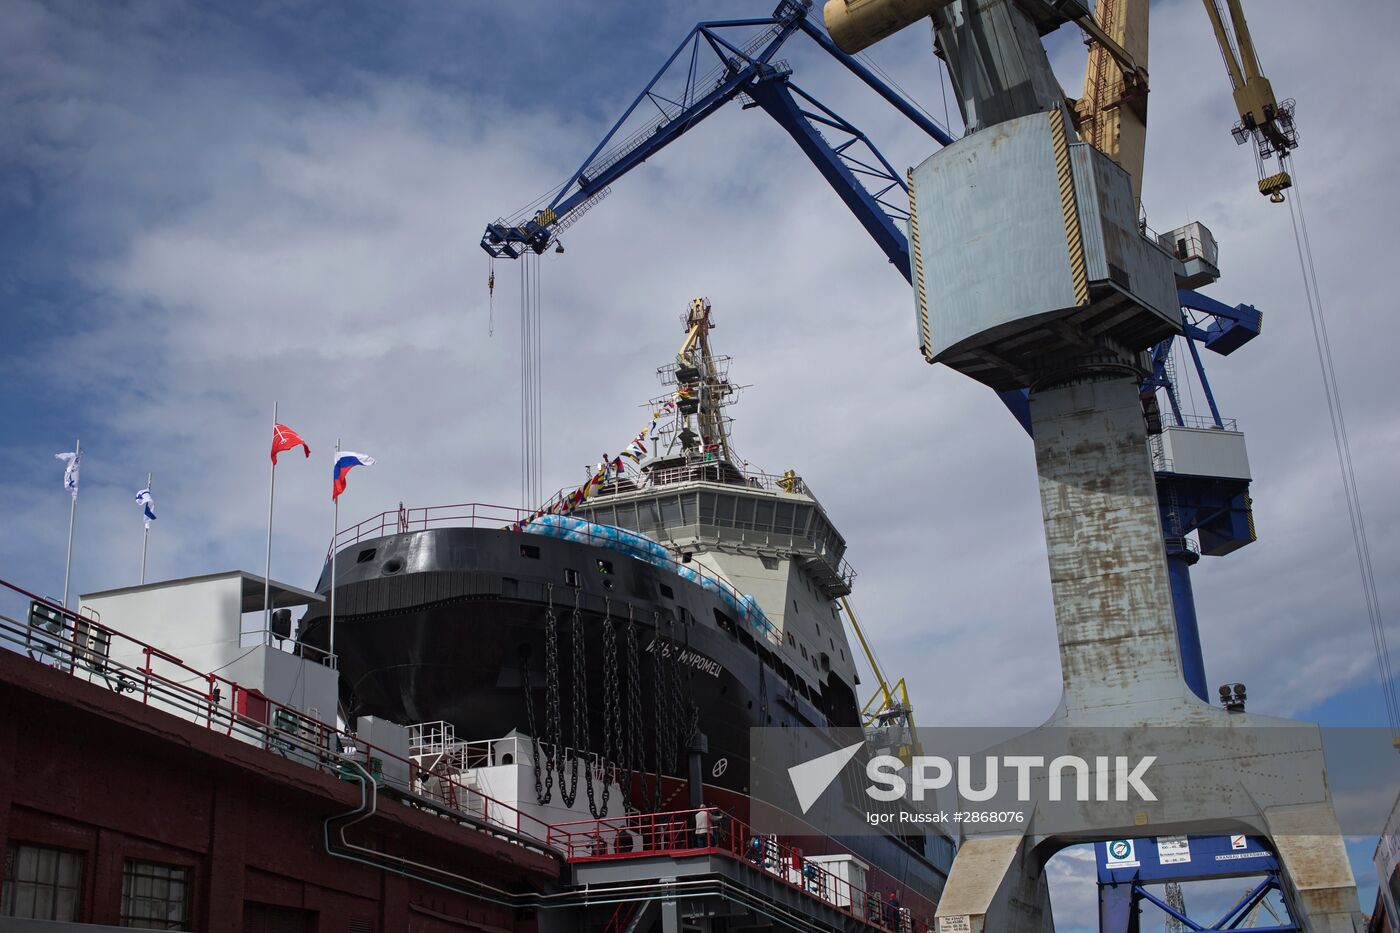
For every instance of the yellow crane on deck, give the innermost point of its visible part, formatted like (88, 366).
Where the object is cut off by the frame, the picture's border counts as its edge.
(888, 711)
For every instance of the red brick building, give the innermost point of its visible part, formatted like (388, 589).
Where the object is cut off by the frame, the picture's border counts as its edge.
(117, 813)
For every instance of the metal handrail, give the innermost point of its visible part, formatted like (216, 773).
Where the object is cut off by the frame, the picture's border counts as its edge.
(676, 833)
(83, 647)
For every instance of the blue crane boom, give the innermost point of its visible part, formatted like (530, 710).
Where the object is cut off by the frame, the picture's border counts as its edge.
(681, 96)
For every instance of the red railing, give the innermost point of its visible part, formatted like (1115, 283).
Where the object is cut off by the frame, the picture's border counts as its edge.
(678, 833)
(84, 647)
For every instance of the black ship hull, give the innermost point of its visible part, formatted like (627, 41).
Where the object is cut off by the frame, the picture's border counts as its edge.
(580, 646)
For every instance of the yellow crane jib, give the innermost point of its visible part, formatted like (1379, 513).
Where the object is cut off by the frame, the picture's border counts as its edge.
(888, 716)
(1263, 119)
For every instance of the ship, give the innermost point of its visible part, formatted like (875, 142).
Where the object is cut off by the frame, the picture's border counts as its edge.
(644, 622)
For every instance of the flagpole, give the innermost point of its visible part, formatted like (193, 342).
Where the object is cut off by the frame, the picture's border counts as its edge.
(335, 530)
(145, 536)
(72, 514)
(267, 564)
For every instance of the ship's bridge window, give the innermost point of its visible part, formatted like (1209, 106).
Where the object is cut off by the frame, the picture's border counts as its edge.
(707, 508)
(667, 592)
(782, 520)
(746, 640)
(530, 551)
(724, 622)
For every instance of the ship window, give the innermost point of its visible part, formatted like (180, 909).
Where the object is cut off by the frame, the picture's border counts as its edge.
(763, 514)
(746, 640)
(819, 628)
(792, 642)
(671, 511)
(41, 883)
(724, 622)
(571, 577)
(804, 652)
(782, 522)
(531, 551)
(707, 508)
(724, 511)
(794, 607)
(843, 653)
(743, 513)
(605, 566)
(155, 895)
(667, 592)
(800, 516)
(365, 556)
(769, 563)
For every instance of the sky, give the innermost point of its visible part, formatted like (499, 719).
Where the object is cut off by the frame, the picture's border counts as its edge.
(206, 209)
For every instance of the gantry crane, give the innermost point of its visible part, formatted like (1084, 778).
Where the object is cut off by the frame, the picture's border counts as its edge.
(683, 93)
(1033, 274)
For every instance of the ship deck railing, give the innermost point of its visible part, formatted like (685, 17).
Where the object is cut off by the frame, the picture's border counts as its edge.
(482, 515)
(82, 647)
(674, 835)
(434, 742)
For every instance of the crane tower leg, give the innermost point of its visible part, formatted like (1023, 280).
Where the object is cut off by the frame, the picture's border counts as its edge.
(1034, 273)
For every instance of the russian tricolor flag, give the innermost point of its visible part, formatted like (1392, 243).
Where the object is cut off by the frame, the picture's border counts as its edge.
(345, 461)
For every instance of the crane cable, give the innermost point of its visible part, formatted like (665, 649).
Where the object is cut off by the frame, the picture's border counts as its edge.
(531, 382)
(1344, 459)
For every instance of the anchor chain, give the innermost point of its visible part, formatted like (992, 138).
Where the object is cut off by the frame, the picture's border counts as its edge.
(658, 695)
(680, 738)
(542, 793)
(580, 743)
(612, 709)
(636, 753)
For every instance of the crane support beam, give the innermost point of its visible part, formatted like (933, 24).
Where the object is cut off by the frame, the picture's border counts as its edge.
(914, 114)
(1231, 327)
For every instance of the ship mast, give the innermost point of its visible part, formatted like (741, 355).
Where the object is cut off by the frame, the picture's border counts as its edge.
(702, 390)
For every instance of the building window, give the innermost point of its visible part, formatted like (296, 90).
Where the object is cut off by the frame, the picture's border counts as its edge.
(41, 883)
(155, 896)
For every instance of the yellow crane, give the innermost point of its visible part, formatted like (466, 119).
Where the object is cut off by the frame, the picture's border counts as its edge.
(1262, 118)
(1112, 114)
(888, 711)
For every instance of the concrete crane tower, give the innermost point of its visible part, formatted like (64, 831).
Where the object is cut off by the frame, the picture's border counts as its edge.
(1030, 270)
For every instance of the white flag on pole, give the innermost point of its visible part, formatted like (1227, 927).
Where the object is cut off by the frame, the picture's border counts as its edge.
(148, 506)
(70, 472)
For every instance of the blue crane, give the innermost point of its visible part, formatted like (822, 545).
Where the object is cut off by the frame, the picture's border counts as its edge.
(743, 66)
